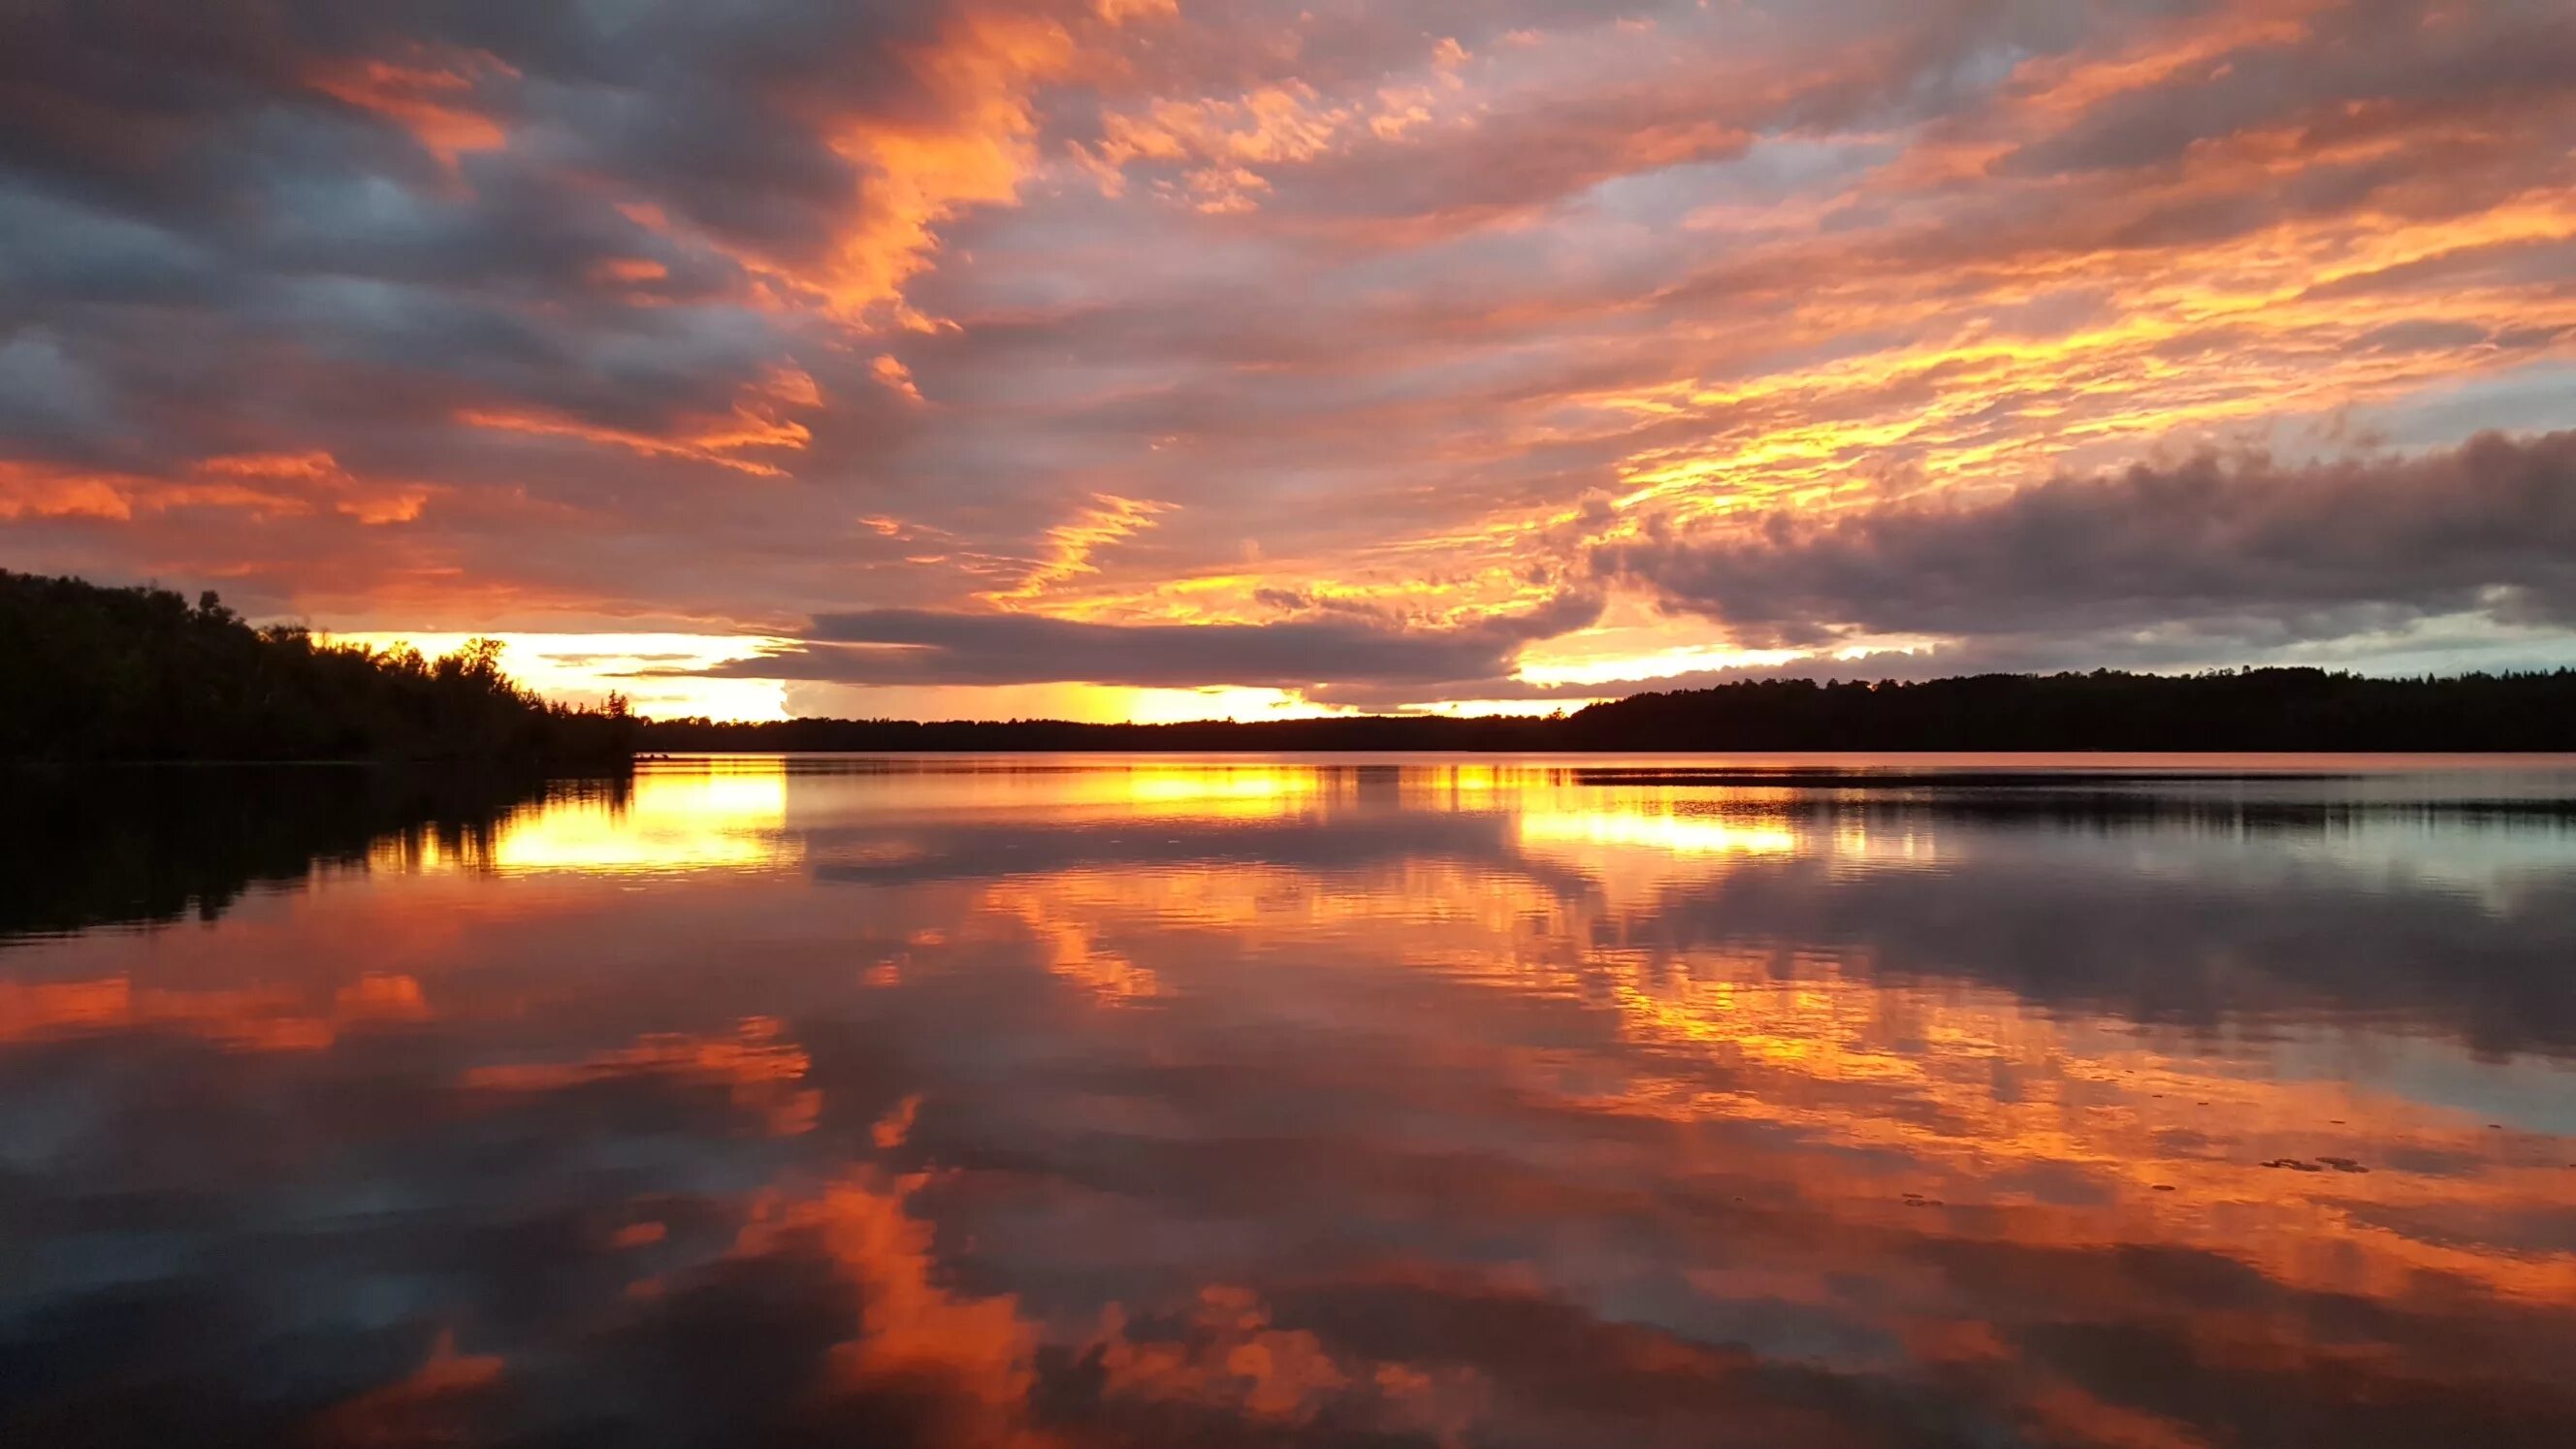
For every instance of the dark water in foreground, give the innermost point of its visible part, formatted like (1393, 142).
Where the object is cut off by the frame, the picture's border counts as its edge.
(1074, 1102)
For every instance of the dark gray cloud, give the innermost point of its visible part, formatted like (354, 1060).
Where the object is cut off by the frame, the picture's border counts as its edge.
(924, 646)
(2240, 545)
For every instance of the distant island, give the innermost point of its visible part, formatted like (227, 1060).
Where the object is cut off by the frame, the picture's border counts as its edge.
(2251, 710)
(95, 673)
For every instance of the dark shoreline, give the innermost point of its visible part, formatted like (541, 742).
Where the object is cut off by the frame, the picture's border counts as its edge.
(2255, 711)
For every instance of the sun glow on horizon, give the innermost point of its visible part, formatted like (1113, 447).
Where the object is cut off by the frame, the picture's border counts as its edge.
(584, 669)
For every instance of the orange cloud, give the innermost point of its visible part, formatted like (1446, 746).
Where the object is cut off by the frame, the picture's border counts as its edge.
(971, 143)
(978, 1351)
(427, 99)
(758, 1070)
(1269, 1374)
(757, 423)
(32, 490)
(264, 485)
(243, 1019)
(627, 271)
(314, 473)
(414, 1409)
(1106, 520)
(890, 370)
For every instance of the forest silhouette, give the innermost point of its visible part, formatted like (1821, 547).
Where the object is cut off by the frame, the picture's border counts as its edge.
(95, 673)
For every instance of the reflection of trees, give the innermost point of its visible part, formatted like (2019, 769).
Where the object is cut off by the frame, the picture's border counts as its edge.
(83, 848)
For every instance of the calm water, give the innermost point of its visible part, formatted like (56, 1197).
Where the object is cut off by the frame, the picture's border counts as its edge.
(1083, 1102)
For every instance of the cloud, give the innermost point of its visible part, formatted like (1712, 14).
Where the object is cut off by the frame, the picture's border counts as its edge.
(924, 647)
(506, 252)
(2236, 545)
(715, 318)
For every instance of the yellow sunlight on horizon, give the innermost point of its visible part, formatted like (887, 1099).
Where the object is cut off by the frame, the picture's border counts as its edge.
(585, 668)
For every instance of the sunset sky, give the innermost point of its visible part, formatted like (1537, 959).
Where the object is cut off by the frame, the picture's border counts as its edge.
(1171, 358)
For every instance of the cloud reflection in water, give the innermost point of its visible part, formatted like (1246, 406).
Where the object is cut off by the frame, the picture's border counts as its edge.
(1104, 1101)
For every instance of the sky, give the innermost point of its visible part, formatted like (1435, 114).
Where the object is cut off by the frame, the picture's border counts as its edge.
(1170, 359)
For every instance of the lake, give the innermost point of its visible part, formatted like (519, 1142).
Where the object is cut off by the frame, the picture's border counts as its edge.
(1096, 1100)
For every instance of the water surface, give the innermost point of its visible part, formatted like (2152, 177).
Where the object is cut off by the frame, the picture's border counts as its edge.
(1088, 1101)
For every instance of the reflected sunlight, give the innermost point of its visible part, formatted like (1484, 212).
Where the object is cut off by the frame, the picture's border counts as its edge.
(1642, 824)
(729, 814)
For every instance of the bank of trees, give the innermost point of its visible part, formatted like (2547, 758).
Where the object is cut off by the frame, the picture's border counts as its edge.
(2221, 710)
(95, 673)
(2231, 710)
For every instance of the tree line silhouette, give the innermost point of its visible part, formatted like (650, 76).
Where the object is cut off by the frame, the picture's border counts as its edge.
(2231, 710)
(95, 673)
